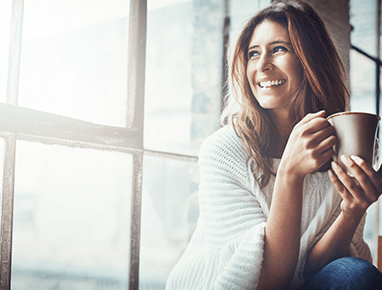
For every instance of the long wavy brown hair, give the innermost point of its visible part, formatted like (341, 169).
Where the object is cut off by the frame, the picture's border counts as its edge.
(322, 86)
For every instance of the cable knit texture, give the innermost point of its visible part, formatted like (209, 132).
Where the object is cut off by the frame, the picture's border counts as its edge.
(226, 249)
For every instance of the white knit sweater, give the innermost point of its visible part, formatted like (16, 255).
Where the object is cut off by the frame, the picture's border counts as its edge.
(226, 249)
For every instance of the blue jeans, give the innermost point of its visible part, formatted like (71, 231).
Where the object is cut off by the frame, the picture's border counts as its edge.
(346, 274)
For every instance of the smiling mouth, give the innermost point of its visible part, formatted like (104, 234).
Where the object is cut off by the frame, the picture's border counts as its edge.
(274, 83)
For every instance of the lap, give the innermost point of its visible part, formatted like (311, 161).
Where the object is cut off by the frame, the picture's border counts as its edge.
(346, 273)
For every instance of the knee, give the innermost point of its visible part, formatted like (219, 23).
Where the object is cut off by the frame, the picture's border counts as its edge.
(355, 267)
(348, 273)
(355, 271)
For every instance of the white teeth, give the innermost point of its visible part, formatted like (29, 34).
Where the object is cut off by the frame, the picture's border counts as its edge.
(272, 83)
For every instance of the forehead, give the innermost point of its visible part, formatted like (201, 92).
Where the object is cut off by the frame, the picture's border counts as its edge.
(267, 32)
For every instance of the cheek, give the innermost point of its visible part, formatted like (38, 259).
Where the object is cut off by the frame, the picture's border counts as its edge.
(296, 73)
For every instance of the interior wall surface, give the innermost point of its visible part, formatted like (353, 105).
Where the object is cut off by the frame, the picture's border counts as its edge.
(337, 17)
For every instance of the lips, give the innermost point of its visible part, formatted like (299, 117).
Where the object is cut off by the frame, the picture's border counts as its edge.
(271, 83)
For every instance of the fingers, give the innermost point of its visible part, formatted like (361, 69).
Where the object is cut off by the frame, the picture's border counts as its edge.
(365, 186)
(339, 186)
(348, 184)
(325, 139)
(320, 136)
(309, 117)
(317, 125)
(367, 175)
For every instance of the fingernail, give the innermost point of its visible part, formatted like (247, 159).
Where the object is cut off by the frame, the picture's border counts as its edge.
(344, 158)
(356, 159)
(330, 172)
(334, 164)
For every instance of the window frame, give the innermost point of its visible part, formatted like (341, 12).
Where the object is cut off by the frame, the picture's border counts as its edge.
(17, 123)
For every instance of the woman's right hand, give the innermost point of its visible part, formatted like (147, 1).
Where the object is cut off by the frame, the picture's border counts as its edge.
(310, 145)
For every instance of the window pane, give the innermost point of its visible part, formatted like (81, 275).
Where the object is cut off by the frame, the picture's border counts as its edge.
(362, 83)
(363, 17)
(5, 26)
(74, 59)
(241, 10)
(183, 74)
(169, 214)
(72, 218)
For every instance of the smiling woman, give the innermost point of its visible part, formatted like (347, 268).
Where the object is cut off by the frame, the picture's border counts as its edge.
(272, 214)
(273, 70)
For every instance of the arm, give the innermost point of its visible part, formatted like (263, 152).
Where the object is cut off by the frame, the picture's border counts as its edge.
(308, 148)
(333, 245)
(232, 214)
(356, 199)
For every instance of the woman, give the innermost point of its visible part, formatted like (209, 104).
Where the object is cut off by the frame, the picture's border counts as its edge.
(272, 216)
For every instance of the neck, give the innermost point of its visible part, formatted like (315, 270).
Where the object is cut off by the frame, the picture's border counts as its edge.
(283, 124)
(284, 128)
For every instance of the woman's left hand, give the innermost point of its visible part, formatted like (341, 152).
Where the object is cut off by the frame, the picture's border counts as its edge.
(361, 190)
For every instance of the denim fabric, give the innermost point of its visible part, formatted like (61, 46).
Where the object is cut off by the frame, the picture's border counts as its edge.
(346, 274)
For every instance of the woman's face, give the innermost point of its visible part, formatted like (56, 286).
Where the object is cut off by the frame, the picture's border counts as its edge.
(273, 70)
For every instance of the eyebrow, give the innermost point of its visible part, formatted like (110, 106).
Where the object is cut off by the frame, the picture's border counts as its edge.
(273, 42)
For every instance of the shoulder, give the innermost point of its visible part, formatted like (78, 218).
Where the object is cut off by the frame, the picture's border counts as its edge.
(224, 143)
(225, 140)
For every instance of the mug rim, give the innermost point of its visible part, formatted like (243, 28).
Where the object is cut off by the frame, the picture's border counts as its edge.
(351, 113)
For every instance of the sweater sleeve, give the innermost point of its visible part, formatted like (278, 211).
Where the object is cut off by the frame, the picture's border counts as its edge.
(233, 218)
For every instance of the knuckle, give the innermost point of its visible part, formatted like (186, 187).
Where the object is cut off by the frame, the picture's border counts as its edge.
(364, 204)
(362, 179)
(373, 199)
(353, 187)
(341, 189)
(312, 155)
(316, 163)
(298, 130)
(309, 145)
(352, 206)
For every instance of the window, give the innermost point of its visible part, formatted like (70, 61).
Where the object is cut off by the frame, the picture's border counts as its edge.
(72, 141)
(103, 107)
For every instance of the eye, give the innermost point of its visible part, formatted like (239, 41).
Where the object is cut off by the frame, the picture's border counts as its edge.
(253, 53)
(279, 48)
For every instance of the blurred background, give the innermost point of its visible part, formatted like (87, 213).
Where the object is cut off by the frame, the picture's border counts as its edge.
(71, 225)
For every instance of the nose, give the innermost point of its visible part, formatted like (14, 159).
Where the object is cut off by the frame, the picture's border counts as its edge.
(264, 63)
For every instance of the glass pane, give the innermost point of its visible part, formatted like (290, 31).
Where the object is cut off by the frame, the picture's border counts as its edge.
(241, 10)
(183, 74)
(363, 18)
(5, 26)
(169, 214)
(362, 83)
(72, 218)
(74, 59)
